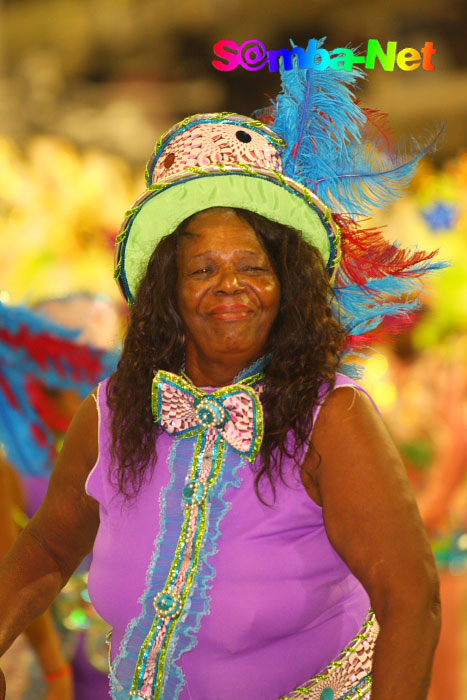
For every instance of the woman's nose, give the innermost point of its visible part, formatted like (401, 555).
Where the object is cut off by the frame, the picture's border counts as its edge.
(229, 281)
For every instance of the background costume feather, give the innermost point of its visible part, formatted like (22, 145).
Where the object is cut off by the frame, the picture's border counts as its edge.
(36, 356)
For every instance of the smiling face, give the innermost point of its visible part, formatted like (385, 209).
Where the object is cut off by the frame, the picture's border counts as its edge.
(228, 292)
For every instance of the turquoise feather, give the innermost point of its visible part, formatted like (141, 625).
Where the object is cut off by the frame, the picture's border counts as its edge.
(324, 129)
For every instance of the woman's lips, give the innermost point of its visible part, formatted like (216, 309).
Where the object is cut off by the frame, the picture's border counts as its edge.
(230, 312)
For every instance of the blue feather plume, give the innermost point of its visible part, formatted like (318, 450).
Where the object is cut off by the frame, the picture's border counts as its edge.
(324, 129)
(367, 178)
(361, 309)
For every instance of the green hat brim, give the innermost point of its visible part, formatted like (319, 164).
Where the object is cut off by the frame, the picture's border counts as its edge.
(160, 212)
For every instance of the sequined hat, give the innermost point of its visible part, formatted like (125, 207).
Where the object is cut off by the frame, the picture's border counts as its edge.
(221, 159)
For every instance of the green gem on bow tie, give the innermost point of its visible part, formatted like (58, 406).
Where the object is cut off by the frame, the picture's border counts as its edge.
(210, 412)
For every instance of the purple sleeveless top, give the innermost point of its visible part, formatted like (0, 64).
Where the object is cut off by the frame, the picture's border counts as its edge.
(283, 604)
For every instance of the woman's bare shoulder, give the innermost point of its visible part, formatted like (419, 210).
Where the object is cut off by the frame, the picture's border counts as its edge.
(346, 415)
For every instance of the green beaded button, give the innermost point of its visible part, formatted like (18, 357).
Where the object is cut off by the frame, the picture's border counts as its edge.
(327, 694)
(210, 412)
(194, 492)
(207, 416)
(167, 603)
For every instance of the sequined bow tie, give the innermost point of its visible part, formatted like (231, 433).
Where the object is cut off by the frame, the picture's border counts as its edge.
(184, 410)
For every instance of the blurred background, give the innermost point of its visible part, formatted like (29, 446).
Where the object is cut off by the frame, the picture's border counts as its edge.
(86, 88)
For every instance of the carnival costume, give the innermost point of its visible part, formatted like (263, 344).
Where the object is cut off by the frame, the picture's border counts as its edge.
(211, 594)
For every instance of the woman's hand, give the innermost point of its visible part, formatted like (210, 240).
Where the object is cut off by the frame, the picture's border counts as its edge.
(61, 688)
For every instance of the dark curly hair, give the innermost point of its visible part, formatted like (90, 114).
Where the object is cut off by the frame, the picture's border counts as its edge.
(305, 343)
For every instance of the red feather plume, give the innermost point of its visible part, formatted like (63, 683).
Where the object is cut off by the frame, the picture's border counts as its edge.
(367, 255)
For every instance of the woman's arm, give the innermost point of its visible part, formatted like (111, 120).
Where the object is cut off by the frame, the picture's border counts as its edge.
(58, 537)
(373, 523)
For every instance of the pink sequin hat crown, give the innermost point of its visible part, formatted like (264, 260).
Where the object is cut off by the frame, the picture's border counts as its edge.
(221, 159)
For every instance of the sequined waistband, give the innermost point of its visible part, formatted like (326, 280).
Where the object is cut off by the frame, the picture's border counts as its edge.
(348, 677)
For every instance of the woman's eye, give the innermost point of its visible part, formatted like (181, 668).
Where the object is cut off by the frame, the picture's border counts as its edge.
(201, 270)
(244, 268)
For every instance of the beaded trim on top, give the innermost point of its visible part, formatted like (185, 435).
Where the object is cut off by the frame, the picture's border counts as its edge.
(176, 598)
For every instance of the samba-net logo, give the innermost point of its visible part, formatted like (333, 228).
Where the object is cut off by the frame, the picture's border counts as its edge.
(253, 55)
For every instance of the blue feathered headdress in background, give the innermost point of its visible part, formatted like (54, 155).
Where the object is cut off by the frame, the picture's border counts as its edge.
(37, 355)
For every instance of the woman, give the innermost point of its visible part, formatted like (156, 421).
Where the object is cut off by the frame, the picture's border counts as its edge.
(224, 579)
